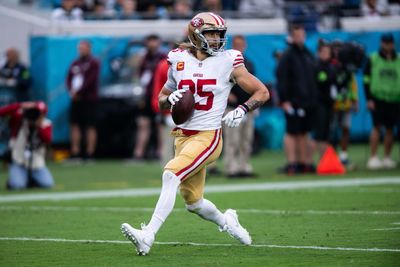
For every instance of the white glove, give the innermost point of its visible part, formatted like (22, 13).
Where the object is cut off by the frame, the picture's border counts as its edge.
(234, 117)
(175, 96)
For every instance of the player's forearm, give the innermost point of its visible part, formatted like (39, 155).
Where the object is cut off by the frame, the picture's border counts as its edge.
(163, 102)
(257, 99)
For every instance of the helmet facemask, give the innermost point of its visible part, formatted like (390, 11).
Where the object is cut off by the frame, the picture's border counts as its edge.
(205, 44)
(207, 22)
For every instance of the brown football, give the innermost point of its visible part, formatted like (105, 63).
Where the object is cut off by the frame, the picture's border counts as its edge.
(183, 109)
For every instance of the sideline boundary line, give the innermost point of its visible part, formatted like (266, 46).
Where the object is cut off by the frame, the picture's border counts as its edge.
(197, 244)
(246, 187)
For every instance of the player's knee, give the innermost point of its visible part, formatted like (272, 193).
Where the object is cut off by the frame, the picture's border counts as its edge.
(195, 207)
(189, 196)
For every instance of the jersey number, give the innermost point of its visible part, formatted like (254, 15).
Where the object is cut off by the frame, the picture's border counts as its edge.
(200, 92)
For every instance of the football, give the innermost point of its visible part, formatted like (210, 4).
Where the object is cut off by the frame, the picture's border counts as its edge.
(184, 108)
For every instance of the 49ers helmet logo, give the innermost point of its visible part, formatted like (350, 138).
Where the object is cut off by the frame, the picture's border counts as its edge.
(197, 22)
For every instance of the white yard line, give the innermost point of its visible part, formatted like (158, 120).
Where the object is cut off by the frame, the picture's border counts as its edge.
(256, 211)
(396, 223)
(387, 229)
(199, 244)
(248, 187)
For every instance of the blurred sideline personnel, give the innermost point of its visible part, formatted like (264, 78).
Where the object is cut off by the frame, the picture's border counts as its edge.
(298, 92)
(382, 89)
(325, 87)
(83, 85)
(239, 141)
(15, 77)
(346, 100)
(30, 133)
(146, 115)
(209, 71)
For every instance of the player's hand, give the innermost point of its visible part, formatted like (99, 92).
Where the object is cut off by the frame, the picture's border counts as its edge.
(234, 117)
(175, 96)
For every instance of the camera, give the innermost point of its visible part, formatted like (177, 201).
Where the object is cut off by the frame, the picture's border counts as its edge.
(350, 54)
(32, 114)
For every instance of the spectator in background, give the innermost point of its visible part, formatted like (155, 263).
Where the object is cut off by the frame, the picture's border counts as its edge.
(325, 87)
(298, 92)
(260, 8)
(128, 10)
(382, 89)
(239, 141)
(374, 8)
(346, 101)
(83, 84)
(207, 5)
(67, 12)
(146, 115)
(15, 77)
(30, 133)
(182, 10)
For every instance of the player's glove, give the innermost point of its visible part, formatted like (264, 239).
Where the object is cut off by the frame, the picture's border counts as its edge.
(175, 96)
(235, 117)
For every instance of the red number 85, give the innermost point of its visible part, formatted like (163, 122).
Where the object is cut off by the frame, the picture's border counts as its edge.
(200, 92)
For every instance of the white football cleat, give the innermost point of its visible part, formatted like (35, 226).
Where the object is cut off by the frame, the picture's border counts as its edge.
(141, 239)
(234, 228)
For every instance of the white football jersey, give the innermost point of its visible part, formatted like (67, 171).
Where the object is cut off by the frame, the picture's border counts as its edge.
(210, 82)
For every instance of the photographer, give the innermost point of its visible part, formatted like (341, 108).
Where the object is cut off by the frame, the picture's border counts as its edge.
(347, 58)
(30, 132)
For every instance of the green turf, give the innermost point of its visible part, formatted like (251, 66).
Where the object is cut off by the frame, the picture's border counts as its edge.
(282, 217)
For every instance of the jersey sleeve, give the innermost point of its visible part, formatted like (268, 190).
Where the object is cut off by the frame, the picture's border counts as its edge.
(236, 57)
(173, 58)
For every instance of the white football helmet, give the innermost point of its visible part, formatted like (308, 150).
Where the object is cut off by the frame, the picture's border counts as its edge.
(203, 22)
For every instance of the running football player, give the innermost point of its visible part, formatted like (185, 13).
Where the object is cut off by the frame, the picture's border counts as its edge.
(209, 71)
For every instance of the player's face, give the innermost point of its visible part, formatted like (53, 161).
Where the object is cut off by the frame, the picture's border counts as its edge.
(213, 38)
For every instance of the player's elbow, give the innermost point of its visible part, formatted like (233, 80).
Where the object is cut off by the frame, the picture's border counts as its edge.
(263, 94)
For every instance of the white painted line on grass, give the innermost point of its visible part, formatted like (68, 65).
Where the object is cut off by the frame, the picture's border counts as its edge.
(256, 211)
(198, 244)
(387, 229)
(246, 187)
(396, 223)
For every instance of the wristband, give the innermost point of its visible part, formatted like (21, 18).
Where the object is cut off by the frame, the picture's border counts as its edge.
(244, 107)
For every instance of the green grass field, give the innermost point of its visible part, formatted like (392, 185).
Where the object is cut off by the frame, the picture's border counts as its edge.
(354, 225)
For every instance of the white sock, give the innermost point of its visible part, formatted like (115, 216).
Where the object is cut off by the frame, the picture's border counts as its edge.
(165, 202)
(208, 211)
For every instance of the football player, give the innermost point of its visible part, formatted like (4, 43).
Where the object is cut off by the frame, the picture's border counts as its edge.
(209, 71)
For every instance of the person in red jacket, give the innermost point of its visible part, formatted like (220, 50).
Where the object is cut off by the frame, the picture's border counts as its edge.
(30, 133)
(165, 124)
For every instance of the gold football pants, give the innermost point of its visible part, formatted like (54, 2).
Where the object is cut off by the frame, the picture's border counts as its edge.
(193, 152)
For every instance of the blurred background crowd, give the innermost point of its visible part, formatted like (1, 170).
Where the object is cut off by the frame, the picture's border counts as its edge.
(101, 90)
(309, 11)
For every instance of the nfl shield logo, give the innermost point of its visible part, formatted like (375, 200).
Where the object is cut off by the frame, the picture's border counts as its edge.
(197, 22)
